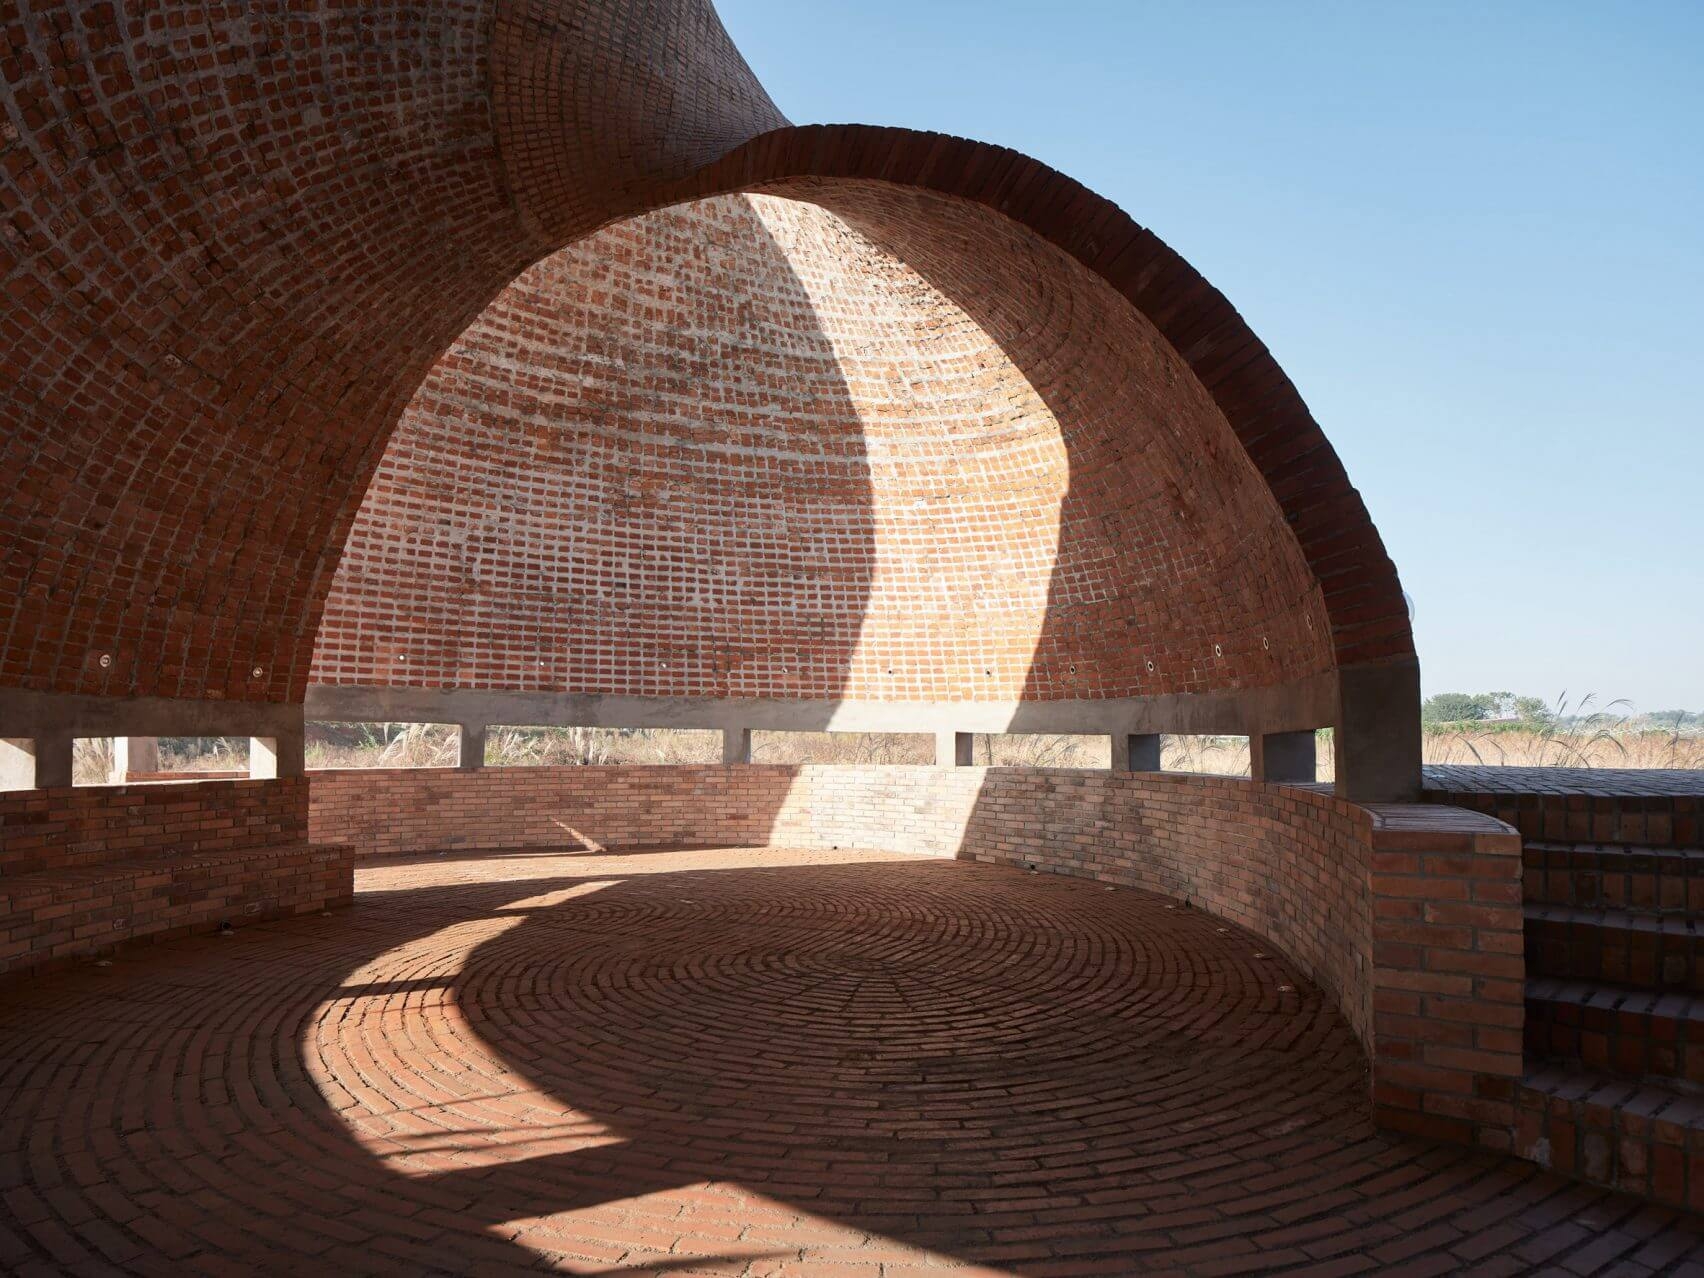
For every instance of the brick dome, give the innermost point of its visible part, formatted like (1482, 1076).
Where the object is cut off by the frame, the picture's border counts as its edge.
(881, 445)
(229, 277)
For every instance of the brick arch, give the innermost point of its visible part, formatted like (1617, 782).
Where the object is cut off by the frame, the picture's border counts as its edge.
(1325, 513)
(846, 459)
(228, 275)
(233, 241)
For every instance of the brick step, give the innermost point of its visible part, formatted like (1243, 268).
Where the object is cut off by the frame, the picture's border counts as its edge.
(1616, 1029)
(1644, 1138)
(1623, 947)
(1615, 876)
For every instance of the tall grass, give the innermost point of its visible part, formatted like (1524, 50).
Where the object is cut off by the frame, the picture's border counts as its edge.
(1567, 735)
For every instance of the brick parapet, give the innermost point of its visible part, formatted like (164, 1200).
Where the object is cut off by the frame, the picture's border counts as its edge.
(1408, 916)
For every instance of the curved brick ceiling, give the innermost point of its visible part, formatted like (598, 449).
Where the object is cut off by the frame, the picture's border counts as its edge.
(745, 447)
(234, 241)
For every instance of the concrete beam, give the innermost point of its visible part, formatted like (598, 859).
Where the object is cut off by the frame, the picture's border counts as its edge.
(736, 745)
(954, 749)
(1136, 752)
(1283, 756)
(24, 713)
(1305, 704)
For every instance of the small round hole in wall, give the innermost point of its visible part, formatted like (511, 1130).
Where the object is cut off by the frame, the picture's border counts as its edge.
(106, 661)
(1218, 650)
(1150, 667)
(258, 672)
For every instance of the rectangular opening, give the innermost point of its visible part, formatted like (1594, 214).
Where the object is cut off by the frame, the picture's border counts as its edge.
(1218, 756)
(1040, 750)
(866, 748)
(382, 745)
(17, 763)
(517, 747)
(143, 760)
(1325, 755)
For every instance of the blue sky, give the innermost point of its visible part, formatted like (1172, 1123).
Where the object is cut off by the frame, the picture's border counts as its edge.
(1473, 235)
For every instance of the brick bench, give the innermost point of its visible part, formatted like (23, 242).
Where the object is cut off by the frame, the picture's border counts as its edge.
(84, 870)
(52, 916)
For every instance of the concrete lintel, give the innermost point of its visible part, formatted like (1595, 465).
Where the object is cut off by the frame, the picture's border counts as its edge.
(25, 713)
(1305, 704)
(736, 745)
(1283, 756)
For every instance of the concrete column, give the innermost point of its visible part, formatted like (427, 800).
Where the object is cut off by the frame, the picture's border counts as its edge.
(17, 763)
(133, 754)
(471, 757)
(1377, 734)
(53, 760)
(1283, 756)
(274, 757)
(1136, 752)
(736, 745)
(953, 749)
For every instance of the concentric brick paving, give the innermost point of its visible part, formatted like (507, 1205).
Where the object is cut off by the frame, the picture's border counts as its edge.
(750, 1062)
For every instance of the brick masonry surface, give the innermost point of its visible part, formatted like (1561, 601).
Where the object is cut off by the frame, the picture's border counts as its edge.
(1614, 891)
(1409, 917)
(85, 870)
(226, 276)
(1663, 809)
(759, 1062)
(782, 452)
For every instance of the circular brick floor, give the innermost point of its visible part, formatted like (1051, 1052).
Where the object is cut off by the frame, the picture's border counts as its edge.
(742, 1062)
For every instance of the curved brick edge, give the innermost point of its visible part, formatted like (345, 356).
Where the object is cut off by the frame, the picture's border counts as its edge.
(1362, 593)
(521, 126)
(1408, 916)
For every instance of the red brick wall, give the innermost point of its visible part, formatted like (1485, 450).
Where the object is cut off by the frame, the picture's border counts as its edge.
(70, 828)
(749, 439)
(1409, 916)
(1287, 864)
(225, 277)
(1641, 820)
(85, 870)
(235, 240)
(1449, 973)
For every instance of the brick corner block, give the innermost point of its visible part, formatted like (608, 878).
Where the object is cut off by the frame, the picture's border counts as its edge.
(1448, 974)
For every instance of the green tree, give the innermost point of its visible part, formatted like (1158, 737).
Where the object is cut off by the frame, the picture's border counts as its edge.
(1459, 707)
(1531, 709)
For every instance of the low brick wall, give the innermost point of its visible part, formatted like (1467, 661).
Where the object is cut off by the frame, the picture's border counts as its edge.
(87, 870)
(50, 830)
(1409, 916)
